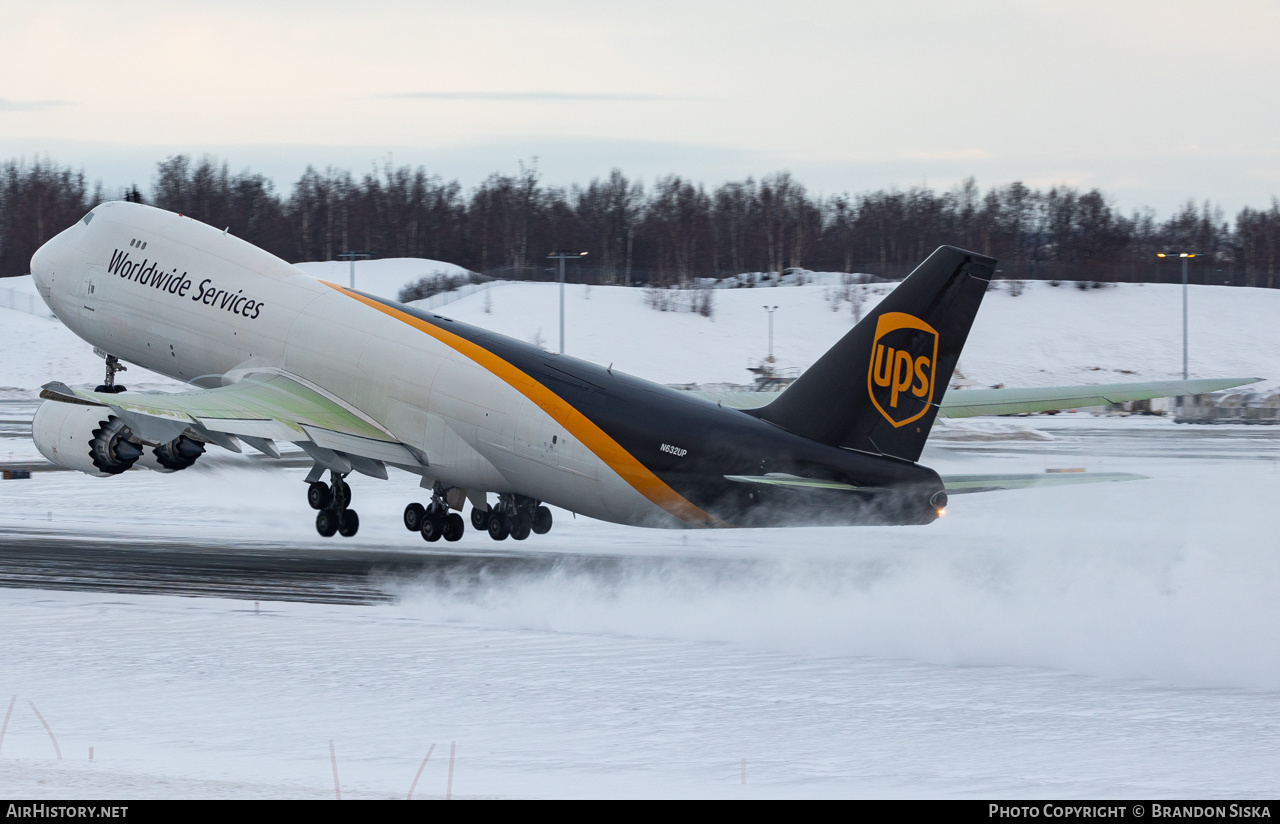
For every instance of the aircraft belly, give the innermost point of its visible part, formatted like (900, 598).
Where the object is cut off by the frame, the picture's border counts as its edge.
(487, 428)
(478, 431)
(566, 474)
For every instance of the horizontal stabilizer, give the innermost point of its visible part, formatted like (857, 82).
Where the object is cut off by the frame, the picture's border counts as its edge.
(797, 482)
(962, 484)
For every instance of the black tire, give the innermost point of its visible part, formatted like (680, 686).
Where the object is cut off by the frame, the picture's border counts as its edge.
(348, 523)
(318, 496)
(454, 526)
(498, 529)
(120, 387)
(413, 515)
(326, 522)
(432, 528)
(541, 520)
(480, 518)
(521, 527)
(341, 495)
(103, 389)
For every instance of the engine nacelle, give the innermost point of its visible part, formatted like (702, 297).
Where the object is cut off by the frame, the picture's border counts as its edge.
(86, 438)
(179, 453)
(93, 440)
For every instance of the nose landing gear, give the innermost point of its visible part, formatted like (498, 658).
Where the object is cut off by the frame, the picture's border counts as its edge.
(109, 385)
(332, 500)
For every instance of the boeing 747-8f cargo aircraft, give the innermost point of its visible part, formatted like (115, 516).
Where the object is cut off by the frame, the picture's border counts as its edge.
(361, 384)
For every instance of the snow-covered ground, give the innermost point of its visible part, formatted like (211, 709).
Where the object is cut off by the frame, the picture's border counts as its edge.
(1113, 640)
(1106, 640)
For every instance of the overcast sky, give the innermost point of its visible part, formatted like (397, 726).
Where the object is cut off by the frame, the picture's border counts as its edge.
(1153, 102)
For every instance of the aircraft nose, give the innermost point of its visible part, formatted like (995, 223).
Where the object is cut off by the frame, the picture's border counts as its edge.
(43, 264)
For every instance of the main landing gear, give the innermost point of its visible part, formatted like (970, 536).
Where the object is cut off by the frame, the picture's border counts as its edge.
(513, 516)
(434, 520)
(109, 386)
(332, 500)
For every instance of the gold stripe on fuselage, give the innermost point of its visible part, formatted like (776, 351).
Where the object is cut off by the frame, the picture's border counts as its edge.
(628, 467)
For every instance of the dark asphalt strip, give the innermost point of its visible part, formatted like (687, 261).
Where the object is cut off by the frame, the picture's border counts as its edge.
(277, 572)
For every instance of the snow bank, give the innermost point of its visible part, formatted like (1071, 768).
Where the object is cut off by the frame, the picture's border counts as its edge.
(385, 277)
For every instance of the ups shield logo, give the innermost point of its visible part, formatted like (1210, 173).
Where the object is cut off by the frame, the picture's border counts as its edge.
(900, 375)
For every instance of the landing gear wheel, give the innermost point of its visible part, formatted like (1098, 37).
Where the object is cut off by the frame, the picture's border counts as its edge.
(520, 527)
(341, 494)
(541, 520)
(326, 522)
(413, 515)
(480, 518)
(432, 527)
(109, 385)
(348, 523)
(318, 495)
(497, 527)
(454, 526)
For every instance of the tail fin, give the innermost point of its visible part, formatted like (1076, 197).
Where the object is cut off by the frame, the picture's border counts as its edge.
(878, 389)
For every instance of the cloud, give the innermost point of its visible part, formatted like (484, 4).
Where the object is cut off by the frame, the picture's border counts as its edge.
(7, 105)
(522, 96)
(955, 154)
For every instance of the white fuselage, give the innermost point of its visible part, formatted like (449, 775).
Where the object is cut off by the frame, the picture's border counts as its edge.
(183, 299)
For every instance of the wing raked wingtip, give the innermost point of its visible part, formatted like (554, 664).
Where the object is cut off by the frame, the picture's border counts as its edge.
(59, 391)
(964, 484)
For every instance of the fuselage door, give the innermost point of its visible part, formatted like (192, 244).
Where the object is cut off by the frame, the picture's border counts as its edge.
(89, 288)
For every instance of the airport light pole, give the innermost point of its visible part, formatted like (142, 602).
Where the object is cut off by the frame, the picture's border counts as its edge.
(770, 310)
(562, 257)
(1186, 257)
(351, 256)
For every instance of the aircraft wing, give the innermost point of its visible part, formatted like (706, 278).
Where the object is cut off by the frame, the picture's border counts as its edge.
(260, 409)
(966, 403)
(955, 484)
(963, 484)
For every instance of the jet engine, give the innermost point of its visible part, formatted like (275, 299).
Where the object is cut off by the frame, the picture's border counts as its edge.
(93, 440)
(179, 453)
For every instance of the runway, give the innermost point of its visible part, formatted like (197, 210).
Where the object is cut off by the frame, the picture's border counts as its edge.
(1082, 641)
(267, 571)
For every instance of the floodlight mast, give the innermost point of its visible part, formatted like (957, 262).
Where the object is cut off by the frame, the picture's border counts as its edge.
(1186, 256)
(562, 256)
(771, 310)
(351, 256)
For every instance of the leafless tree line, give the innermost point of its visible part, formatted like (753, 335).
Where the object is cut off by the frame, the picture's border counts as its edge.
(669, 232)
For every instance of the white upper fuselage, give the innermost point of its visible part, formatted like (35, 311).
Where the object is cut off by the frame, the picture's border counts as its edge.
(183, 299)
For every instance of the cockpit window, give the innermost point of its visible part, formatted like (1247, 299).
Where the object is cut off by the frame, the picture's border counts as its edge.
(85, 220)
